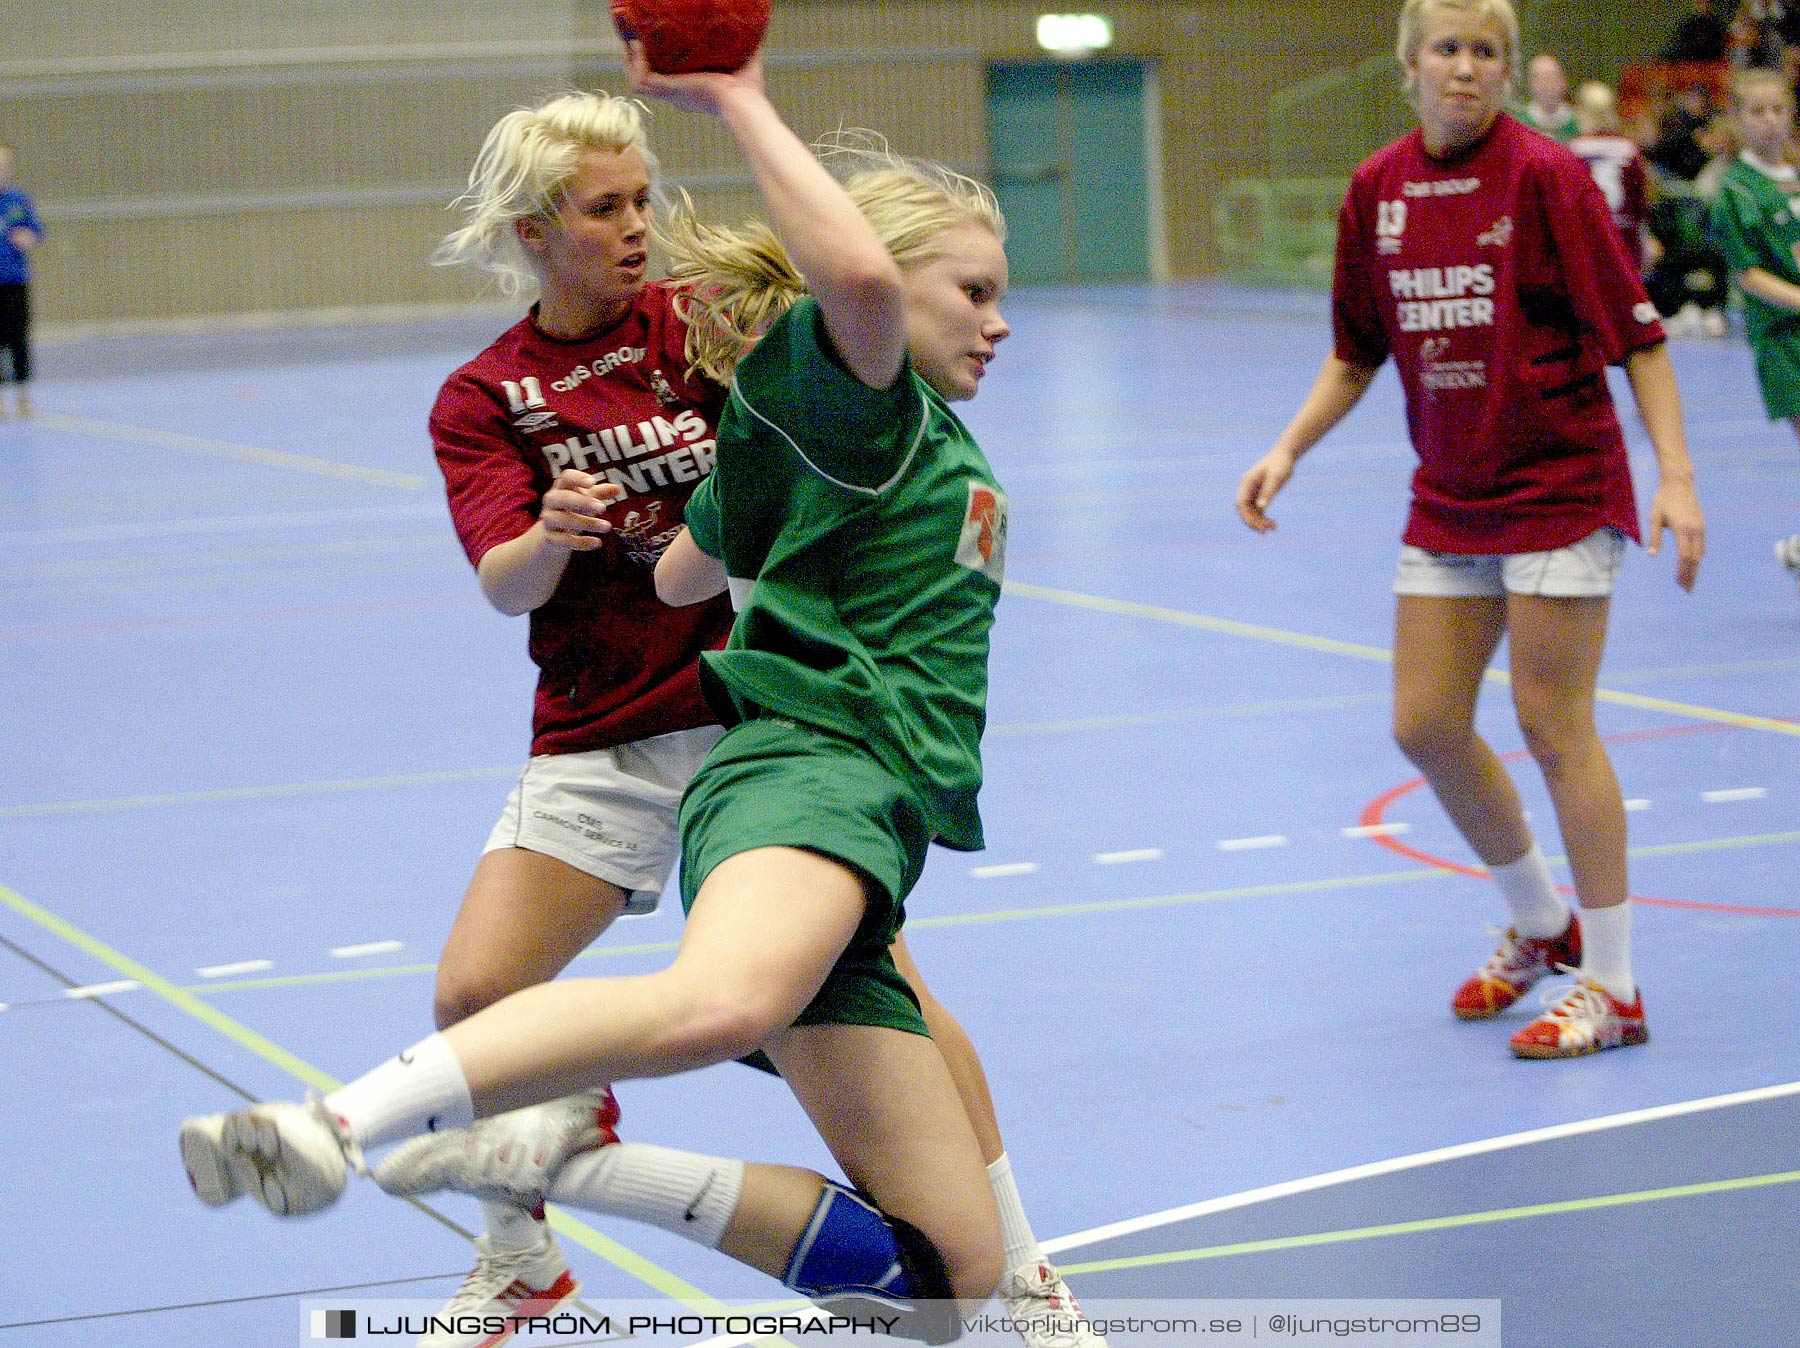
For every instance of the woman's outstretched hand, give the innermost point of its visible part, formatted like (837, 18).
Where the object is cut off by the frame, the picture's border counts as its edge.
(699, 91)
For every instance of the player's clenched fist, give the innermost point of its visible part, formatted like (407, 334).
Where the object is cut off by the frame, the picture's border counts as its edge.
(574, 512)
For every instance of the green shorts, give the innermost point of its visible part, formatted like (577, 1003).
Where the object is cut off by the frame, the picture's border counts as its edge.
(773, 783)
(1778, 372)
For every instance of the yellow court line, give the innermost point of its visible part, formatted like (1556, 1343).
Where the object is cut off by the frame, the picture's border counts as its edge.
(1156, 613)
(1278, 636)
(652, 1275)
(1710, 845)
(1131, 720)
(1436, 1223)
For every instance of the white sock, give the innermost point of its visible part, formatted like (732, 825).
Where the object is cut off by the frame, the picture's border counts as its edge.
(1015, 1230)
(512, 1227)
(693, 1196)
(421, 1090)
(1530, 892)
(1606, 949)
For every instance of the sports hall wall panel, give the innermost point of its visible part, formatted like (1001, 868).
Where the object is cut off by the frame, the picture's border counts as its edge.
(198, 159)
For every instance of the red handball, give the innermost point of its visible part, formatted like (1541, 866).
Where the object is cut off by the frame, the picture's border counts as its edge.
(681, 36)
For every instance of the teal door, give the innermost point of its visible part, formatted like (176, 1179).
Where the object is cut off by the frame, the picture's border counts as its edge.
(1074, 161)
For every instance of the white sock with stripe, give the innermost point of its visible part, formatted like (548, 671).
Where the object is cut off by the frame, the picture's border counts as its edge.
(693, 1196)
(1015, 1230)
(420, 1090)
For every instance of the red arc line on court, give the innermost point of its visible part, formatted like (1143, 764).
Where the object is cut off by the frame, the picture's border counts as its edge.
(1375, 809)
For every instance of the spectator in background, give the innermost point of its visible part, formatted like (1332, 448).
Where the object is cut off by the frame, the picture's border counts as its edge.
(1547, 109)
(1675, 152)
(1616, 163)
(1719, 139)
(1757, 34)
(1753, 219)
(20, 231)
(1701, 34)
(1687, 276)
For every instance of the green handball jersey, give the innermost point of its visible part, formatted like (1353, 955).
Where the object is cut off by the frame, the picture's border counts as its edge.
(1755, 225)
(865, 540)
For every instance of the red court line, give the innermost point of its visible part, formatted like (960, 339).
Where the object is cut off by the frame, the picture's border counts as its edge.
(1375, 809)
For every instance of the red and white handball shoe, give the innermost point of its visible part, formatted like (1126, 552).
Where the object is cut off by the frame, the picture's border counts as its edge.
(1585, 1019)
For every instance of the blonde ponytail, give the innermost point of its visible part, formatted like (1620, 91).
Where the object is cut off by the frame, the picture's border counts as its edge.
(741, 280)
(735, 283)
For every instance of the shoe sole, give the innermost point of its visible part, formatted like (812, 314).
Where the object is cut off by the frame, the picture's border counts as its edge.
(1545, 1052)
(247, 1156)
(207, 1168)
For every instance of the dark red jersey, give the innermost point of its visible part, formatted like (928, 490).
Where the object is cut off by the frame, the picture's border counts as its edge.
(1499, 285)
(616, 664)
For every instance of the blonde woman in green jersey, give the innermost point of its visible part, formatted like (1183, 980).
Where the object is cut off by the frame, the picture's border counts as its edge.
(560, 202)
(1755, 223)
(863, 537)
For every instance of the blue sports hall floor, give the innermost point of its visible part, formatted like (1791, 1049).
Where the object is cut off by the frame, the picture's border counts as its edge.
(258, 721)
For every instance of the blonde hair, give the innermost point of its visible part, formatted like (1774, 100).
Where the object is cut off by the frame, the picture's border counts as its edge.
(1411, 34)
(522, 171)
(1596, 107)
(741, 280)
(1745, 80)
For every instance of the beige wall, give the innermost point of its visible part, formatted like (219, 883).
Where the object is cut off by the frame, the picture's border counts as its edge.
(196, 157)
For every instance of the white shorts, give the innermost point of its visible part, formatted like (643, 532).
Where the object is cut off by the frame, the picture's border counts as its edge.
(1583, 570)
(609, 813)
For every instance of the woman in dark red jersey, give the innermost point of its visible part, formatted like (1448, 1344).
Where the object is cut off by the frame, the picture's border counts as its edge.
(1483, 259)
(569, 448)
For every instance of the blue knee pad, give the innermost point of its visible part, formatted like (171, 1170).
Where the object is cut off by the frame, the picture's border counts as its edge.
(854, 1259)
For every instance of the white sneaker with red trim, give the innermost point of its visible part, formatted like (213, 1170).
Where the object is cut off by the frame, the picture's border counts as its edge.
(1044, 1311)
(504, 1287)
(509, 1158)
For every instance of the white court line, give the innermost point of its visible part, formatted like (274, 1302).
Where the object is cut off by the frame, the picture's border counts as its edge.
(1001, 871)
(225, 449)
(103, 989)
(1252, 844)
(1635, 804)
(1125, 858)
(1376, 1169)
(351, 952)
(1734, 793)
(218, 524)
(241, 967)
(225, 794)
(1375, 830)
